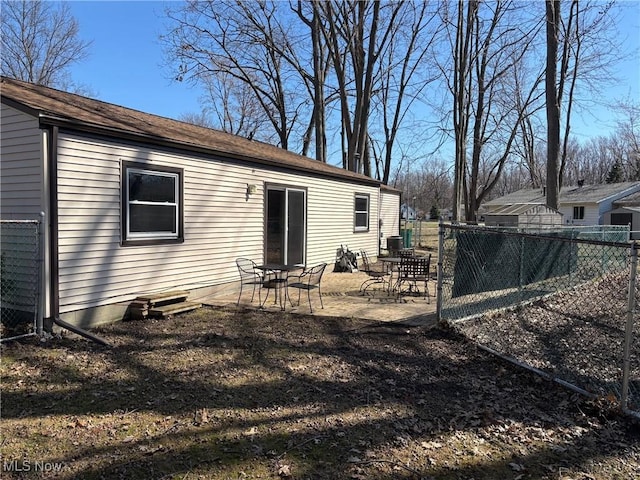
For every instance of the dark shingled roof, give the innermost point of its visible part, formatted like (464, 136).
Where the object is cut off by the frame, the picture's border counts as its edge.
(76, 112)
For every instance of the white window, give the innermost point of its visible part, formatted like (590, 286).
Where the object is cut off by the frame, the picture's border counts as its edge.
(361, 213)
(578, 213)
(151, 204)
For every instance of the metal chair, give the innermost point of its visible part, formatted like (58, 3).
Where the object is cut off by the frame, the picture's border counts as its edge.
(375, 276)
(308, 280)
(249, 275)
(407, 252)
(414, 270)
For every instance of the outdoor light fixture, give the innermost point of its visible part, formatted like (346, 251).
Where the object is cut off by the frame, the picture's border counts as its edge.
(251, 189)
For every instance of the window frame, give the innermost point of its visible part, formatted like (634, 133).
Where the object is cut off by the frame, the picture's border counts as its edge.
(579, 209)
(129, 238)
(356, 212)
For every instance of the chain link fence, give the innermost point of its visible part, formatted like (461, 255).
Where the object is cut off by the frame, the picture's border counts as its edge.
(19, 278)
(560, 302)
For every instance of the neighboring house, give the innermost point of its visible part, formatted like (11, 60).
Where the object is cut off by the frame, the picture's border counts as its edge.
(136, 204)
(523, 215)
(407, 212)
(579, 205)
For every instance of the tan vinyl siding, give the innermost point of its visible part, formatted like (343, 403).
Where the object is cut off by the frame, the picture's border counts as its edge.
(390, 215)
(20, 166)
(221, 222)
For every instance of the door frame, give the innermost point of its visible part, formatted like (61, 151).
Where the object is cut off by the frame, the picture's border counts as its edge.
(286, 188)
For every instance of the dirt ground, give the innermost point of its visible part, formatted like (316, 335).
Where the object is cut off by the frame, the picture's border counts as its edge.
(225, 393)
(576, 334)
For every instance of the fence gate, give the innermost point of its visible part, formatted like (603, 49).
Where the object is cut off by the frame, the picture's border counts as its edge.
(20, 267)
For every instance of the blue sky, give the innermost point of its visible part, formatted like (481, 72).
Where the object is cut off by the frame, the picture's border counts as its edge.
(125, 66)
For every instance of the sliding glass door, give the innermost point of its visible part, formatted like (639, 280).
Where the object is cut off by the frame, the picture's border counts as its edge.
(286, 219)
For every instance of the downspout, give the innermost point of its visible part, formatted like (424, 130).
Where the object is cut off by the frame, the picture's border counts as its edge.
(54, 272)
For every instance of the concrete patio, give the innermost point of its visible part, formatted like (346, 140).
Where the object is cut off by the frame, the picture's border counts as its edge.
(342, 298)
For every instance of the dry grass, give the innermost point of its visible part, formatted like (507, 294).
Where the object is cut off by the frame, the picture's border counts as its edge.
(424, 234)
(225, 393)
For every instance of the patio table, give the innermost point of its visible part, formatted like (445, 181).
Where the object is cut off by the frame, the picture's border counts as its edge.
(393, 262)
(280, 273)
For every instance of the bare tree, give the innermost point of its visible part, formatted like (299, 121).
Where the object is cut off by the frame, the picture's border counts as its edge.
(231, 106)
(307, 64)
(552, 104)
(347, 42)
(246, 41)
(498, 55)
(460, 86)
(580, 53)
(313, 20)
(404, 75)
(491, 93)
(628, 138)
(40, 42)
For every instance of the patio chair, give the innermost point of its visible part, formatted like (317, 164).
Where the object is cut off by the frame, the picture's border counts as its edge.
(375, 276)
(249, 275)
(414, 270)
(308, 280)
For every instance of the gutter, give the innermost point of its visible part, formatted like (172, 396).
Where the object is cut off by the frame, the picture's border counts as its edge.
(54, 271)
(83, 333)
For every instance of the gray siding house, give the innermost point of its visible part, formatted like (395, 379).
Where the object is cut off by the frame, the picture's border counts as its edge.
(579, 205)
(138, 204)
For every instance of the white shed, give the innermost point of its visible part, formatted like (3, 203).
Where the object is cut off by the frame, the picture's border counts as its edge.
(524, 215)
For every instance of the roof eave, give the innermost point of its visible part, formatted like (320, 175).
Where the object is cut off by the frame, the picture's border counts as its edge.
(53, 120)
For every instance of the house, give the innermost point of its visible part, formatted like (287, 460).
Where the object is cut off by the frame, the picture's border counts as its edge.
(523, 215)
(136, 204)
(579, 205)
(407, 212)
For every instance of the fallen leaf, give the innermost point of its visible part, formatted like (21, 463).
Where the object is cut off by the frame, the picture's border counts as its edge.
(284, 471)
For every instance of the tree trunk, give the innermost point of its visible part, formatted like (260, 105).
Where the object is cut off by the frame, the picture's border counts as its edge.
(461, 103)
(553, 107)
(318, 86)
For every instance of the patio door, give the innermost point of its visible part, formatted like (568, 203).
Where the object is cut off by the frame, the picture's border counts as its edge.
(286, 220)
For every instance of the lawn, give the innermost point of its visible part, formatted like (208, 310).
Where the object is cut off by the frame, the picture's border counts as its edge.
(226, 394)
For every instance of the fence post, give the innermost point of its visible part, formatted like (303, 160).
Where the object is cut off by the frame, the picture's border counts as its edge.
(521, 273)
(41, 272)
(570, 259)
(440, 270)
(628, 334)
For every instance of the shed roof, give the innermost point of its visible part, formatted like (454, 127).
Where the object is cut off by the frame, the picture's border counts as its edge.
(75, 112)
(521, 209)
(568, 195)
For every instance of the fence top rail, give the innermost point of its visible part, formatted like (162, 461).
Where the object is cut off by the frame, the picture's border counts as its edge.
(498, 231)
